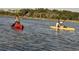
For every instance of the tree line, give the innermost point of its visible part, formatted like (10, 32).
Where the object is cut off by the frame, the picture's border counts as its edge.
(44, 13)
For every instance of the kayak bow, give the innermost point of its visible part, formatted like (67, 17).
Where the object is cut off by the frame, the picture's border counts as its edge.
(68, 28)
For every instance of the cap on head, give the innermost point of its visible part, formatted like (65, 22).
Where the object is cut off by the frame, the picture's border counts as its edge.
(61, 22)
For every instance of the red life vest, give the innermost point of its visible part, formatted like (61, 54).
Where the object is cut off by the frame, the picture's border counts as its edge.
(18, 27)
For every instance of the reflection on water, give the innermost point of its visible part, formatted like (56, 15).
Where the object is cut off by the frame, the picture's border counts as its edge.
(37, 36)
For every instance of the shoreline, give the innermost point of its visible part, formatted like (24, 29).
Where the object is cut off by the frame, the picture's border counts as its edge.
(75, 21)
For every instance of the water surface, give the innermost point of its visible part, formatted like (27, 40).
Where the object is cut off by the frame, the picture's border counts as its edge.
(37, 36)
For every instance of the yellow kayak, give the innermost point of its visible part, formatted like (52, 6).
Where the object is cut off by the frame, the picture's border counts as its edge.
(68, 28)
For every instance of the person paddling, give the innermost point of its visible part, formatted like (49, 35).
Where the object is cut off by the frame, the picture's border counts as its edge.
(58, 25)
(17, 25)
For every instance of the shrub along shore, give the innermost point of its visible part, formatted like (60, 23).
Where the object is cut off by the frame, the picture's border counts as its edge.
(43, 14)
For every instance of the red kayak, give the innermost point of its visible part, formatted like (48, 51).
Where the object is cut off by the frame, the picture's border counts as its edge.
(17, 26)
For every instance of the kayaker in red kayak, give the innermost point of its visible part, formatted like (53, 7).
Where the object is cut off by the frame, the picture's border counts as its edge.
(17, 25)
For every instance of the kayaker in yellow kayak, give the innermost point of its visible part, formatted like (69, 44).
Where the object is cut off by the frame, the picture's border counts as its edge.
(59, 25)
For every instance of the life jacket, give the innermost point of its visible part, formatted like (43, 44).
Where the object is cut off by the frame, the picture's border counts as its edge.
(18, 27)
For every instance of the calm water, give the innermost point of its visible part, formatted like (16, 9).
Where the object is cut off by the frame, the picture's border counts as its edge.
(37, 36)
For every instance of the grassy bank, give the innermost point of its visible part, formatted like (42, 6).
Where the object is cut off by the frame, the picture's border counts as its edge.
(34, 18)
(76, 21)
